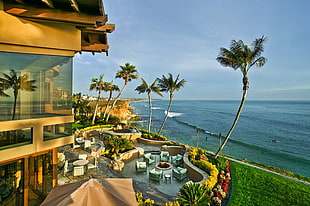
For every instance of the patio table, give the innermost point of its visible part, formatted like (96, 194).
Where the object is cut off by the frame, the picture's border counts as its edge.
(167, 177)
(80, 162)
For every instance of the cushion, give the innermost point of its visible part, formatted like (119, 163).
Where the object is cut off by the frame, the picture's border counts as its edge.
(141, 164)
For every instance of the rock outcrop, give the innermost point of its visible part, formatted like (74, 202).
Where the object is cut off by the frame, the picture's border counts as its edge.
(122, 110)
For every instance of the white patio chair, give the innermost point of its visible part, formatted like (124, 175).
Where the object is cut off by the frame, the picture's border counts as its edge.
(93, 166)
(67, 168)
(78, 171)
(92, 140)
(82, 156)
(74, 146)
(87, 144)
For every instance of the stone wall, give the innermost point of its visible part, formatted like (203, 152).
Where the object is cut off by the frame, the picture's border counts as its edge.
(193, 172)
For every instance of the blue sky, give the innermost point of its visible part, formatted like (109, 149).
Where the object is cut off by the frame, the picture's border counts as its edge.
(184, 37)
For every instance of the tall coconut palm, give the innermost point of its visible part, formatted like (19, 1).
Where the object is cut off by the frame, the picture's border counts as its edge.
(128, 72)
(109, 87)
(241, 56)
(168, 84)
(17, 83)
(144, 87)
(97, 84)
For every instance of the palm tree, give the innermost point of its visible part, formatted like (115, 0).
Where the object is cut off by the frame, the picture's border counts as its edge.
(168, 84)
(193, 194)
(144, 87)
(98, 86)
(79, 104)
(76, 103)
(240, 56)
(109, 87)
(16, 83)
(128, 72)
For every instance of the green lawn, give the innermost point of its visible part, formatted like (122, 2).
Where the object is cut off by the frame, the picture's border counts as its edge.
(251, 186)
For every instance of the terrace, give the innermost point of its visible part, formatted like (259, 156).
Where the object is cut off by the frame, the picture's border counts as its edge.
(163, 190)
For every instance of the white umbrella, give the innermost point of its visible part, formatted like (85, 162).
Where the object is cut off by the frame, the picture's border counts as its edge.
(108, 192)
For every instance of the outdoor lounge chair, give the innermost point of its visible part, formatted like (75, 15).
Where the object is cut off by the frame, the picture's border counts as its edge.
(177, 159)
(149, 158)
(93, 166)
(164, 156)
(74, 145)
(155, 175)
(87, 144)
(141, 166)
(67, 168)
(179, 173)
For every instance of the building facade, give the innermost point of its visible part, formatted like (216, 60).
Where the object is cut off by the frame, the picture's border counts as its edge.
(38, 40)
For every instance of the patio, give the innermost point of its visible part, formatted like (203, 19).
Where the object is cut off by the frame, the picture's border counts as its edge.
(161, 192)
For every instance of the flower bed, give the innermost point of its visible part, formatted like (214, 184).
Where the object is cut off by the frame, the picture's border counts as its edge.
(152, 135)
(197, 157)
(218, 183)
(221, 189)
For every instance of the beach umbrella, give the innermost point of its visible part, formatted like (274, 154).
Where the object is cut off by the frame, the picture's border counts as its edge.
(107, 191)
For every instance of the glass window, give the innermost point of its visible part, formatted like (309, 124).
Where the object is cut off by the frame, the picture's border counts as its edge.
(56, 131)
(40, 173)
(11, 183)
(34, 86)
(15, 138)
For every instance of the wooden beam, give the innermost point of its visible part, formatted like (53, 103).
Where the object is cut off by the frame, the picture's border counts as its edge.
(109, 28)
(54, 15)
(95, 48)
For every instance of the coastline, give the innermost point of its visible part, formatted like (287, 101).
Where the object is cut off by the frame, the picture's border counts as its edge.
(250, 142)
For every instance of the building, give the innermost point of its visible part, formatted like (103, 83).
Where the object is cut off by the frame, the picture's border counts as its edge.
(38, 40)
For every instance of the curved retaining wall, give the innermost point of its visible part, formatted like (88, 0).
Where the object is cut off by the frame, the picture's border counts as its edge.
(151, 142)
(194, 173)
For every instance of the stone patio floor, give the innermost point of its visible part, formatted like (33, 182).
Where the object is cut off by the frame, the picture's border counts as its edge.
(160, 192)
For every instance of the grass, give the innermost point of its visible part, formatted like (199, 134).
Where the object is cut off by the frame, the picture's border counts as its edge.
(251, 186)
(281, 171)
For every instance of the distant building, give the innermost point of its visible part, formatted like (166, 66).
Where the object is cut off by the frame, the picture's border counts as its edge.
(38, 40)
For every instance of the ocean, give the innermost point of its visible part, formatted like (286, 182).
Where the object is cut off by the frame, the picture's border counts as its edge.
(275, 133)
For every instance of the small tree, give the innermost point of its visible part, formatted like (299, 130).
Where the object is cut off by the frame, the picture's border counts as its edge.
(17, 83)
(98, 86)
(145, 88)
(109, 87)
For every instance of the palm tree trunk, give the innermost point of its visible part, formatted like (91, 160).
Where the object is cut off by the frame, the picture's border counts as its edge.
(14, 106)
(95, 112)
(234, 123)
(114, 102)
(168, 109)
(150, 118)
(106, 108)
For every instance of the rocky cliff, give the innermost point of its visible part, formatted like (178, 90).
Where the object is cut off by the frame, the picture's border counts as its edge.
(122, 110)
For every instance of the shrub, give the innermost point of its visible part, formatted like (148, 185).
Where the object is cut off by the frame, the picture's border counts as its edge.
(143, 202)
(195, 158)
(220, 163)
(96, 127)
(152, 135)
(193, 194)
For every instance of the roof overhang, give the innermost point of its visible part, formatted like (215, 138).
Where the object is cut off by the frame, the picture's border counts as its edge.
(87, 15)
